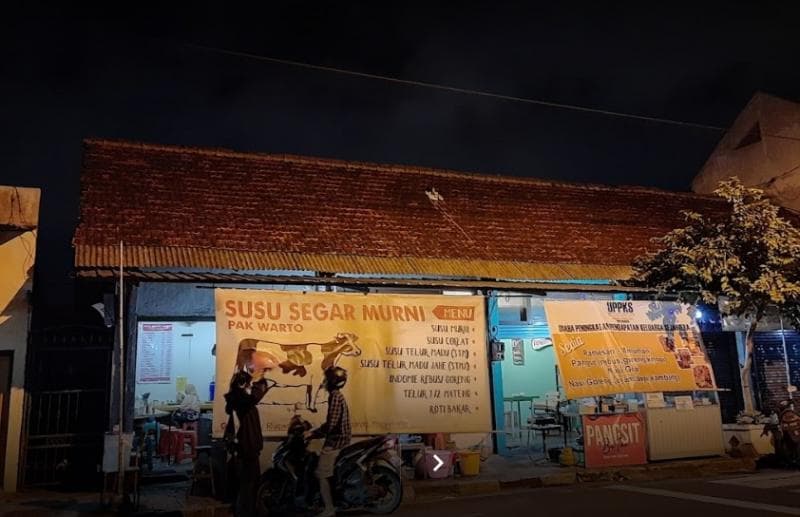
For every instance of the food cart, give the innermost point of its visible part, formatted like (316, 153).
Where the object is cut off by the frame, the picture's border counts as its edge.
(640, 383)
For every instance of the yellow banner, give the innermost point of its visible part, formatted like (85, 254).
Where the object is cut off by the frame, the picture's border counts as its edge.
(609, 347)
(416, 364)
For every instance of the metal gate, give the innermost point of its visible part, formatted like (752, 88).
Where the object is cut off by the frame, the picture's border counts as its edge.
(721, 348)
(67, 407)
(770, 367)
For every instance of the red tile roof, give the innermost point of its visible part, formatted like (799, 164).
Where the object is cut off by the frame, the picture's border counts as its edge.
(174, 204)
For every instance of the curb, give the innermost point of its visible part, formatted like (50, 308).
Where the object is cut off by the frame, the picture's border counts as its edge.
(428, 491)
(220, 510)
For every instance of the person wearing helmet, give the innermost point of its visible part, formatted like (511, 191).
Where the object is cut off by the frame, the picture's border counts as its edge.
(337, 433)
(246, 391)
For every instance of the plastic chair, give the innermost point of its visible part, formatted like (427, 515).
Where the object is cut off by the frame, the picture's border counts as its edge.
(550, 404)
(152, 425)
(166, 442)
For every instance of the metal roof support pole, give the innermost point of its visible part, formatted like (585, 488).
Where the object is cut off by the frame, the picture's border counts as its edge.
(786, 361)
(121, 466)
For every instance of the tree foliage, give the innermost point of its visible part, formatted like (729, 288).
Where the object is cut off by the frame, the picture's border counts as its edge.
(749, 254)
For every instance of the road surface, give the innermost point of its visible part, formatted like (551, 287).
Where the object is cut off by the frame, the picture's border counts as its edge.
(763, 494)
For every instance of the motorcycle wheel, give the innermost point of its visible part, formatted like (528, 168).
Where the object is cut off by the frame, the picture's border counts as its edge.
(389, 481)
(270, 495)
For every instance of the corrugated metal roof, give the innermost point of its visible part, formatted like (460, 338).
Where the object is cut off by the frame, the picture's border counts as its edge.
(213, 209)
(211, 258)
(242, 278)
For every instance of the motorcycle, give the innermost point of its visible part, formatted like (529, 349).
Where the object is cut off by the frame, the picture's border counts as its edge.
(366, 476)
(785, 435)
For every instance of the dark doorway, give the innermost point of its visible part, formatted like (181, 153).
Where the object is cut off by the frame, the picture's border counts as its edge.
(6, 366)
(721, 349)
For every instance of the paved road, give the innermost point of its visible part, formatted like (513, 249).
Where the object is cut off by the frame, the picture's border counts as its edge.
(763, 494)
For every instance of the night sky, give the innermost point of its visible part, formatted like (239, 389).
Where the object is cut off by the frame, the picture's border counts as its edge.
(69, 72)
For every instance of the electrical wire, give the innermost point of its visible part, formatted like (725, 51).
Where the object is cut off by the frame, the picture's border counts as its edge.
(454, 89)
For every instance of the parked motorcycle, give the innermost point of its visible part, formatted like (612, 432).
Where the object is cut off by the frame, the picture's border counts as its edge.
(785, 434)
(366, 476)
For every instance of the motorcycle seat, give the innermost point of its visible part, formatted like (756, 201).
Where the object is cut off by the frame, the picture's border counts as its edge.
(357, 447)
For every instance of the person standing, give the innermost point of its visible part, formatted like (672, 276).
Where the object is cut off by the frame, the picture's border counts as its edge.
(245, 393)
(337, 433)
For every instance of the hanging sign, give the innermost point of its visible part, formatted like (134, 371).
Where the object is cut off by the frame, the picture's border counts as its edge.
(154, 353)
(654, 400)
(518, 352)
(610, 347)
(611, 440)
(540, 343)
(416, 364)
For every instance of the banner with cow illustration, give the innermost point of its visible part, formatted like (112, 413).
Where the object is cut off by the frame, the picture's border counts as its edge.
(416, 363)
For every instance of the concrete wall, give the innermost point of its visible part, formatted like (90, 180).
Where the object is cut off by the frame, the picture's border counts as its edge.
(19, 208)
(165, 300)
(771, 161)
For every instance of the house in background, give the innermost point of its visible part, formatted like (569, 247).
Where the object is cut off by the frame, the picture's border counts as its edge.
(762, 148)
(19, 219)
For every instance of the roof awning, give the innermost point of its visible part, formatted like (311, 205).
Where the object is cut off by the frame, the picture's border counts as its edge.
(343, 281)
(149, 257)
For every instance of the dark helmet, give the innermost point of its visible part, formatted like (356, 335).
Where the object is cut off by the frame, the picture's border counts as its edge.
(335, 378)
(241, 379)
(297, 425)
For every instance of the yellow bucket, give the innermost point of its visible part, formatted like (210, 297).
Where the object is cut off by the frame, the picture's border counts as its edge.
(470, 462)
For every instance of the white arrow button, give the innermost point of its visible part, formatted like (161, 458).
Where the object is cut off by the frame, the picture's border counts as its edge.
(439, 463)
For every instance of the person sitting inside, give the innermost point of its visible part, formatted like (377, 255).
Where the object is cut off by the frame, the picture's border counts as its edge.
(189, 410)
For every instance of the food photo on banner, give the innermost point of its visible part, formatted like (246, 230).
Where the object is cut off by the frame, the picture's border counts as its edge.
(416, 363)
(612, 356)
(611, 347)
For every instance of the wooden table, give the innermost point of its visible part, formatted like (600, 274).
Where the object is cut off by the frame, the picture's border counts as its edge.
(519, 399)
(544, 430)
(171, 408)
(156, 414)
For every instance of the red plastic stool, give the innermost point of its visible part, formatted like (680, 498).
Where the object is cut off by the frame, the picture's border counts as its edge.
(166, 442)
(181, 441)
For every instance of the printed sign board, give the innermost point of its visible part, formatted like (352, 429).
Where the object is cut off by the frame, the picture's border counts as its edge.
(416, 364)
(611, 440)
(518, 352)
(541, 343)
(610, 347)
(154, 355)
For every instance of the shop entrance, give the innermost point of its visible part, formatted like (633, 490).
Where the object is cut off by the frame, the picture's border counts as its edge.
(530, 381)
(174, 390)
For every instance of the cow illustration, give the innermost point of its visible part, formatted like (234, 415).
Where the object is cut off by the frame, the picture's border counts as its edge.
(296, 361)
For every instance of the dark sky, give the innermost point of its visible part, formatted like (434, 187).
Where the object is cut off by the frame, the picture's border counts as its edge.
(69, 72)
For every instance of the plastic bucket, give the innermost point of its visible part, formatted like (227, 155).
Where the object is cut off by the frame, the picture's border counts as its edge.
(430, 463)
(470, 462)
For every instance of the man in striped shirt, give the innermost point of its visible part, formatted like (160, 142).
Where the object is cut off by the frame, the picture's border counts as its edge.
(337, 433)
